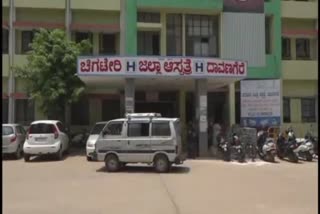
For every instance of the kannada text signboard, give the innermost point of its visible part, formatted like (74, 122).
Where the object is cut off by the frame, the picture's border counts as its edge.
(161, 66)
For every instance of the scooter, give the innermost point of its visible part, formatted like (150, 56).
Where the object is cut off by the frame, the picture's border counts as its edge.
(266, 147)
(286, 148)
(224, 148)
(306, 147)
(238, 148)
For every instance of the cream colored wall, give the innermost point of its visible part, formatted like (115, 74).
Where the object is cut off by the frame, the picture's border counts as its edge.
(40, 15)
(300, 69)
(106, 5)
(99, 17)
(299, 9)
(296, 89)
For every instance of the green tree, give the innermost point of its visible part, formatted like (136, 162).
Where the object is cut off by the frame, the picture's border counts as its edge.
(50, 72)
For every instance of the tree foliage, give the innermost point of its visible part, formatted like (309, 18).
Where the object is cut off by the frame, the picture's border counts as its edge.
(50, 71)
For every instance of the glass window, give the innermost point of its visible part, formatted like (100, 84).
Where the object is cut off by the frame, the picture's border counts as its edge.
(107, 44)
(308, 108)
(303, 48)
(27, 38)
(5, 109)
(148, 17)
(25, 111)
(21, 129)
(286, 110)
(97, 128)
(161, 129)
(114, 128)
(268, 21)
(148, 43)
(138, 129)
(202, 32)
(80, 112)
(42, 128)
(174, 34)
(286, 48)
(7, 130)
(5, 41)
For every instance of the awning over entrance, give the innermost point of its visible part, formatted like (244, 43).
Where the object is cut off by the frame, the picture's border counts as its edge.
(159, 83)
(160, 72)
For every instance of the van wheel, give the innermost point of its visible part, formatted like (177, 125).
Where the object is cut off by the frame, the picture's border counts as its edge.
(112, 163)
(161, 163)
(26, 157)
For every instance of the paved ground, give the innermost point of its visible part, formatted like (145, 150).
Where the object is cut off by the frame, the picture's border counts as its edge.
(75, 186)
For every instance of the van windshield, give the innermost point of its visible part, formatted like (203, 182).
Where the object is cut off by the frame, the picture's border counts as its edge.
(97, 128)
(7, 130)
(41, 128)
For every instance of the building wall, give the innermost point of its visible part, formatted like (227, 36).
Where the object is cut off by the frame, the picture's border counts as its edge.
(300, 76)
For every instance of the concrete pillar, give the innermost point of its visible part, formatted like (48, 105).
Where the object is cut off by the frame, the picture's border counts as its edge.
(129, 89)
(68, 18)
(202, 122)
(163, 33)
(129, 95)
(11, 83)
(232, 104)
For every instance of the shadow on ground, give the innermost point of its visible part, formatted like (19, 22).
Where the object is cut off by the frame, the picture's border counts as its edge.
(147, 169)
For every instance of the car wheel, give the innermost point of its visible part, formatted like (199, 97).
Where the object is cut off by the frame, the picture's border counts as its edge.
(18, 153)
(26, 157)
(59, 154)
(89, 158)
(112, 163)
(161, 163)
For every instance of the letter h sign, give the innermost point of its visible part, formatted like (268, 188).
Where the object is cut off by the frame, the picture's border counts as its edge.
(199, 67)
(131, 66)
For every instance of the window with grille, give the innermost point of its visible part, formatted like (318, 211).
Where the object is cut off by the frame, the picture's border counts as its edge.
(80, 36)
(5, 41)
(148, 43)
(308, 109)
(107, 44)
(286, 110)
(174, 34)
(286, 48)
(268, 22)
(303, 48)
(201, 33)
(27, 38)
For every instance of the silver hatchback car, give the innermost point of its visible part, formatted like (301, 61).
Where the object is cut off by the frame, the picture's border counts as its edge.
(13, 137)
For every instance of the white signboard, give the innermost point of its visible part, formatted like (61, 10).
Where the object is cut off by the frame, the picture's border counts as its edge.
(260, 103)
(161, 66)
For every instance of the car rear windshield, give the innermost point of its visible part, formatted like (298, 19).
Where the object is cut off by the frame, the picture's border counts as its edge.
(41, 128)
(7, 130)
(97, 128)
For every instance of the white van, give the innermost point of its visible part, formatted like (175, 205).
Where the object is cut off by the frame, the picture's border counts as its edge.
(140, 138)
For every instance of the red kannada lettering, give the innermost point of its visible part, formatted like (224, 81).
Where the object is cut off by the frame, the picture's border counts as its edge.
(183, 66)
(226, 68)
(98, 65)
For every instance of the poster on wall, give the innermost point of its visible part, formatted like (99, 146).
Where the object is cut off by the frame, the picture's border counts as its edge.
(243, 6)
(260, 103)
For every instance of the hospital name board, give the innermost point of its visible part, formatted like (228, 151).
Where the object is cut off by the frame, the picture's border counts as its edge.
(161, 66)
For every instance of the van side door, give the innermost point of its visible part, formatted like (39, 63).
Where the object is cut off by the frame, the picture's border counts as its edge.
(138, 141)
(162, 137)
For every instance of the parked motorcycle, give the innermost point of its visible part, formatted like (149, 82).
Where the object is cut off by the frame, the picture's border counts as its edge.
(80, 139)
(286, 148)
(238, 149)
(306, 147)
(266, 146)
(223, 147)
